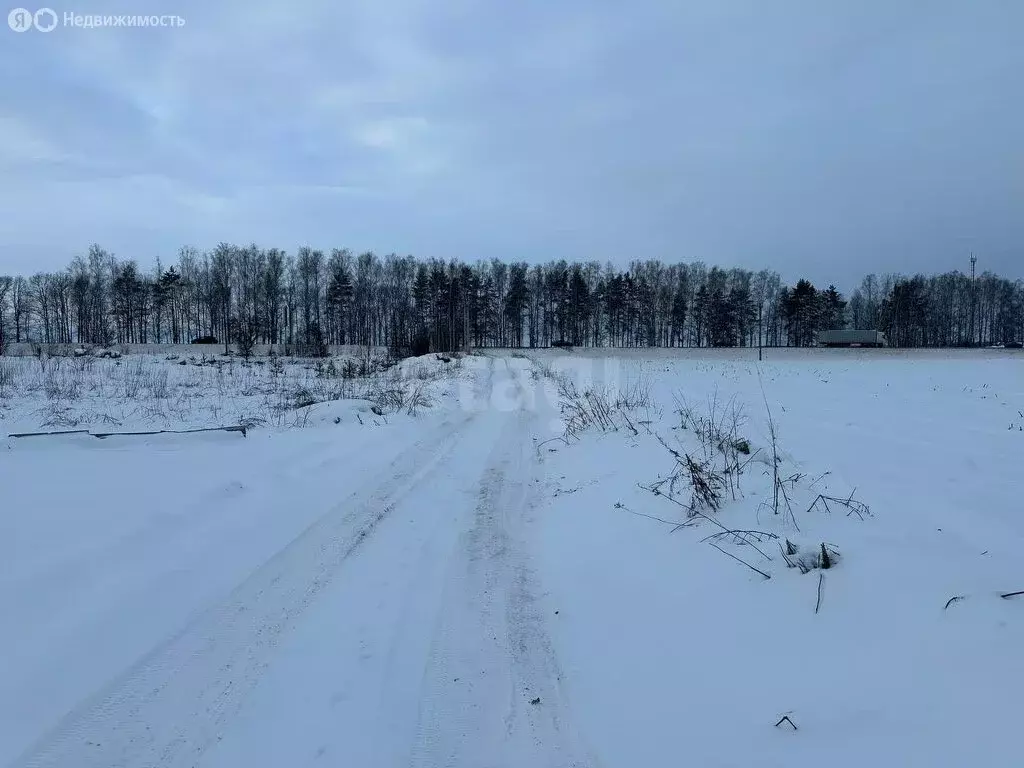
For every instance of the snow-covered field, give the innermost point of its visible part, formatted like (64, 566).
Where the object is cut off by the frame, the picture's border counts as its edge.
(677, 654)
(190, 391)
(421, 567)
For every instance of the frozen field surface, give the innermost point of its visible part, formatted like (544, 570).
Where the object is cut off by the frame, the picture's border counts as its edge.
(512, 565)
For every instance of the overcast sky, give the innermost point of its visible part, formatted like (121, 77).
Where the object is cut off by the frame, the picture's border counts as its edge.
(821, 138)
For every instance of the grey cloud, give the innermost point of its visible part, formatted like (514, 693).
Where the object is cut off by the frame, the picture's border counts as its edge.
(824, 140)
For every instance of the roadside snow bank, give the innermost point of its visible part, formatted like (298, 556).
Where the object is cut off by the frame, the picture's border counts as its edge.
(143, 392)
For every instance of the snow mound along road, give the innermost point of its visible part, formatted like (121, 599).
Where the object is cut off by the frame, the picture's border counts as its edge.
(146, 392)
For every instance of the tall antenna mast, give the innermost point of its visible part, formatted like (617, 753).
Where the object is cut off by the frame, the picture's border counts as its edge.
(974, 296)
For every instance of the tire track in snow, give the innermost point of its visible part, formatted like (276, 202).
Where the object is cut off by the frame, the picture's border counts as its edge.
(491, 693)
(169, 707)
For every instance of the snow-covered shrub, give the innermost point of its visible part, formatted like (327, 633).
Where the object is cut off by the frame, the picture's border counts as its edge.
(54, 414)
(302, 398)
(417, 398)
(133, 380)
(158, 383)
(62, 382)
(388, 398)
(634, 395)
(276, 366)
(9, 376)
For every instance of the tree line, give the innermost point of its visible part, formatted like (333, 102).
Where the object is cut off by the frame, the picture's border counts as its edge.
(249, 295)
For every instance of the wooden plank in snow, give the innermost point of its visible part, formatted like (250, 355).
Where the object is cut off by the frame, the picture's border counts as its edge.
(103, 435)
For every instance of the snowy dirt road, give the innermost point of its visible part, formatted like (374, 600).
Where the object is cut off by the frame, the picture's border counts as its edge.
(401, 627)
